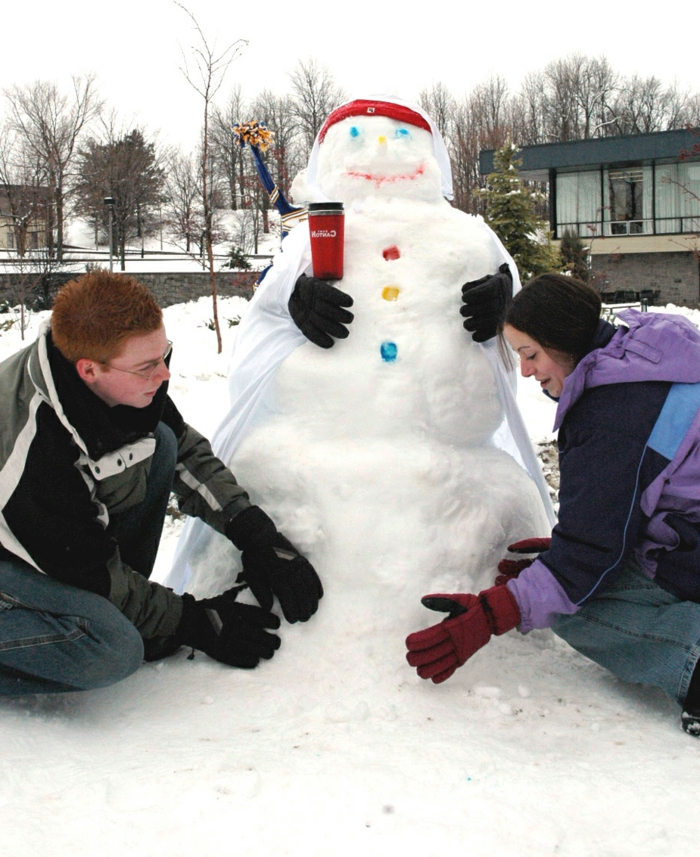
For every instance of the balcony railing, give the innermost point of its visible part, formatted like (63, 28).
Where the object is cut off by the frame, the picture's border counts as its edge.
(619, 228)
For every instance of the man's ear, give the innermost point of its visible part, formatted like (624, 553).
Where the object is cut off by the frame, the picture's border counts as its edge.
(87, 370)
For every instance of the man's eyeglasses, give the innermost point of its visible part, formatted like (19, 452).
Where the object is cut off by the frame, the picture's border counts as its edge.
(149, 369)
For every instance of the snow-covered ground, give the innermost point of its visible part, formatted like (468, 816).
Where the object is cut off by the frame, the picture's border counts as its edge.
(335, 747)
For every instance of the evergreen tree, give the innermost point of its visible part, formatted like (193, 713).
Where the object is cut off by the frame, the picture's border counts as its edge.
(510, 212)
(127, 169)
(574, 254)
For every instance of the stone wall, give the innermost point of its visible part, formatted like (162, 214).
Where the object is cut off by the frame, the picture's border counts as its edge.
(676, 276)
(168, 288)
(175, 288)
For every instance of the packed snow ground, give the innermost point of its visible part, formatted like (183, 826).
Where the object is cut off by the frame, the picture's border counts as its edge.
(529, 749)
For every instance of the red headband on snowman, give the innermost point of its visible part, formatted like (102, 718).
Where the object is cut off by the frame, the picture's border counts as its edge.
(364, 107)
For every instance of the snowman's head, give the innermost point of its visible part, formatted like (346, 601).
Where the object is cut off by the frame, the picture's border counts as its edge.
(377, 148)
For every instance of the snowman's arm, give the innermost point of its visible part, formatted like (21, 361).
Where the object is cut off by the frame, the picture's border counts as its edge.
(204, 486)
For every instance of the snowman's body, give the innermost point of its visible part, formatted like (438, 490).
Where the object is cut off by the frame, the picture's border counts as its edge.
(408, 369)
(375, 457)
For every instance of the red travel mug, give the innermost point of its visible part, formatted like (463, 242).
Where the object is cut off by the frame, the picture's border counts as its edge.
(327, 230)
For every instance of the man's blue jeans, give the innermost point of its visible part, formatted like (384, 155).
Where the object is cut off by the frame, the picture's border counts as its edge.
(55, 637)
(639, 632)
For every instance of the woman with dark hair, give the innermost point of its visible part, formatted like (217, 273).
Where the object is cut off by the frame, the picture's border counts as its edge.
(620, 578)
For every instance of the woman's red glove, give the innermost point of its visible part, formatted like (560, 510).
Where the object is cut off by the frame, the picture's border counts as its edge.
(510, 568)
(439, 650)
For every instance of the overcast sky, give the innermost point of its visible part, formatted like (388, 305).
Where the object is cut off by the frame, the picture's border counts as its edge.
(135, 47)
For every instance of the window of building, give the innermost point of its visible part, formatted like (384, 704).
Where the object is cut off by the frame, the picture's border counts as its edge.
(689, 175)
(578, 203)
(668, 204)
(678, 198)
(626, 189)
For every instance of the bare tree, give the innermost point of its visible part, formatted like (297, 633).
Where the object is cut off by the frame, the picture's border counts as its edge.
(645, 105)
(490, 105)
(481, 120)
(595, 95)
(529, 111)
(464, 157)
(284, 156)
(245, 231)
(33, 283)
(569, 100)
(638, 105)
(206, 77)
(693, 111)
(314, 95)
(438, 103)
(561, 78)
(183, 199)
(227, 152)
(49, 124)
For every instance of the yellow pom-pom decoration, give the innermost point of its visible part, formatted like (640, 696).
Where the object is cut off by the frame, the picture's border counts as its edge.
(254, 134)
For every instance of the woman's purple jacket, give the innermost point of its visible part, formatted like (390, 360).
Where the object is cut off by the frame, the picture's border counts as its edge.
(629, 458)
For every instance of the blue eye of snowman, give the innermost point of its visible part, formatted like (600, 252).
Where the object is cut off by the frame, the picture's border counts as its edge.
(403, 133)
(354, 131)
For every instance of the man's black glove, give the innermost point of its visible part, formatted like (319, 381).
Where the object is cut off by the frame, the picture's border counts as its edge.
(317, 310)
(227, 631)
(485, 301)
(272, 566)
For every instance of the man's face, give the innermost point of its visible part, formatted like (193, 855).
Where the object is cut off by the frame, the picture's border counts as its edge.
(125, 381)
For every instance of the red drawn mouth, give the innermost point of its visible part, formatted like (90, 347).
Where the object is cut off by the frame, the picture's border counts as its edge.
(380, 180)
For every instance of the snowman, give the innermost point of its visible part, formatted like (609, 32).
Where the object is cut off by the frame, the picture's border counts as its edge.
(396, 460)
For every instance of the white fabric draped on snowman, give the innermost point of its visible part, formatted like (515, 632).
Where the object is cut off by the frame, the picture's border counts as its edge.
(267, 335)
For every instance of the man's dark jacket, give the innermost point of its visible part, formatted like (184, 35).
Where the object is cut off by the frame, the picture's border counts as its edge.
(68, 462)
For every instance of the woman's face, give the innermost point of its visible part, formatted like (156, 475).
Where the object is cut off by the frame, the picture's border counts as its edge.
(534, 360)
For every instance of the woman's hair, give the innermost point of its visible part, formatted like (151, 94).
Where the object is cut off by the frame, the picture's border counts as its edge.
(561, 313)
(93, 315)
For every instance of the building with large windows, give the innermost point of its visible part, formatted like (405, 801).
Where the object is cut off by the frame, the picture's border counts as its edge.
(634, 200)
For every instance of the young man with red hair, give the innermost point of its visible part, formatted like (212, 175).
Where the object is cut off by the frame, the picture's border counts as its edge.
(91, 446)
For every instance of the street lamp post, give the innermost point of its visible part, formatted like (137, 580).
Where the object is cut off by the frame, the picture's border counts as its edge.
(109, 202)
